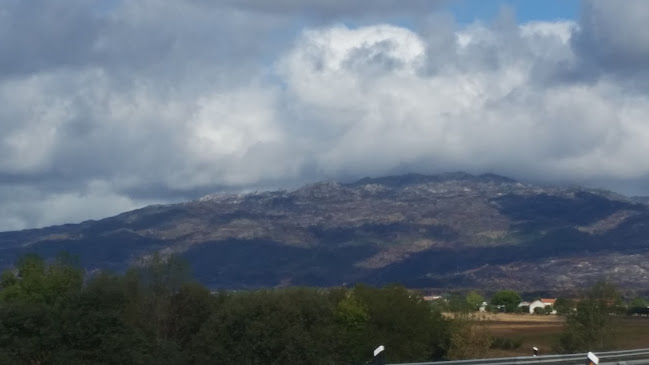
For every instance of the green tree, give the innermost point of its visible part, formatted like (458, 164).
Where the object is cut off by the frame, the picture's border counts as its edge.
(564, 306)
(289, 326)
(638, 304)
(28, 333)
(457, 303)
(151, 285)
(404, 322)
(189, 308)
(352, 328)
(32, 299)
(474, 300)
(509, 298)
(95, 329)
(26, 282)
(591, 327)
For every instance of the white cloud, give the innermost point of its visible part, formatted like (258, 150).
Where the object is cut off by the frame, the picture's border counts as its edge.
(26, 207)
(162, 102)
(490, 115)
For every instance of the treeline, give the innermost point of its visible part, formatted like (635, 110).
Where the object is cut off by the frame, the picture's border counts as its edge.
(510, 301)
(53, 313)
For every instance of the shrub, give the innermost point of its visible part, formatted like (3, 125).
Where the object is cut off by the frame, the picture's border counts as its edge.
(504, 343)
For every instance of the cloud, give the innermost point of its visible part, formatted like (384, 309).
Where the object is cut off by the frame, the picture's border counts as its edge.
(614, 37)
(492, 99)
(327, 9)
(26, 206)
(40, 34)
(148, 101)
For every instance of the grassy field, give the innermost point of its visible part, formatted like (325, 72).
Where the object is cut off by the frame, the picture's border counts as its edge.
(542, 331)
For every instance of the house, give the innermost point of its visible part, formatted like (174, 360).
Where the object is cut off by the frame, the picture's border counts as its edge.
(483, 307)
(431, 298)
(542, 303)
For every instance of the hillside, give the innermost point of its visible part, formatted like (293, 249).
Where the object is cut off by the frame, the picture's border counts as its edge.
(450, 230)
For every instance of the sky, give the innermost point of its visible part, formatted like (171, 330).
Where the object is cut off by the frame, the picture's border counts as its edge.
(107, 106)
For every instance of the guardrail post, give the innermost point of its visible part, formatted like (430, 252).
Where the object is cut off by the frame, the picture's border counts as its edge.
(379, 356)
(591, 359)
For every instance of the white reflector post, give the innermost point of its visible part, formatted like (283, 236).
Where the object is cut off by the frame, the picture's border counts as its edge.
(592, 358)
(378, 350)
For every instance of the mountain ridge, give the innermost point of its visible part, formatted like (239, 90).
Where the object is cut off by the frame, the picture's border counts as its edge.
(452, 229)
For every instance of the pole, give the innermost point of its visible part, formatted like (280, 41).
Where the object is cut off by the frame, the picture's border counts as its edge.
(591, 359)
(379, 355)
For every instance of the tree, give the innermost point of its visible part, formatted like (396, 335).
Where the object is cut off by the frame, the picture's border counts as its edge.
(564, 306)
(28, 333)
(352, 328)
(289, 326)
(405, 322)
(457, 303)
(95, 329)
(190, 307)
(152, 284)
(591, 327)
(469, 339)
(508, 298)
(474, 300)
(32, 301)
(638, 305)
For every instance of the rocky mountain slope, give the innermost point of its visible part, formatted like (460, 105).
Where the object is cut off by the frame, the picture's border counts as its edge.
(450, 230)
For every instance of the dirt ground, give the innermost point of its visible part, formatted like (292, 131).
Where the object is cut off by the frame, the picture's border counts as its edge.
(542, 331)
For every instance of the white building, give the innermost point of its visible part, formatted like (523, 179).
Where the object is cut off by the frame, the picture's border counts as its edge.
(483, 307)
(542, 303)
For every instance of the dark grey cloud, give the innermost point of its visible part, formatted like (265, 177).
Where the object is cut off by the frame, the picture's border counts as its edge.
(40, 35)
(328, 9)
(613, 37)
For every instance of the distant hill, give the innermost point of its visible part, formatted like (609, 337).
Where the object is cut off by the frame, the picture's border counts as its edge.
(442, 231)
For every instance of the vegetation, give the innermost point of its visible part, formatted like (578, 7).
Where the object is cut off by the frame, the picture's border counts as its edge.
(564, 306)
(474, 300)
(469, 339)
(591, 326)
(52, 313)
(505, 343)
(507, 298)
(638, 306)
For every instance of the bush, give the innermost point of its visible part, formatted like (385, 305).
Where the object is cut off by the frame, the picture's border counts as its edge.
(564, 306)
(591, 327)
(504, 343)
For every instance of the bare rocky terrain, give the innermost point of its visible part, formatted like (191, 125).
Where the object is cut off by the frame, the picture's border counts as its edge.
(442, 231)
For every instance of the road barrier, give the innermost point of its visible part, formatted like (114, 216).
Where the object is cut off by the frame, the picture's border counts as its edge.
(627, 357)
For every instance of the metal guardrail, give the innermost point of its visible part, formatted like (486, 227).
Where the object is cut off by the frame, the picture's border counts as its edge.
(627, 357)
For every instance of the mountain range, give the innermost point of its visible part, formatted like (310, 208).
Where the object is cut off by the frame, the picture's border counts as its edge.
(452, 230)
